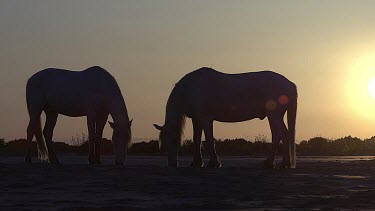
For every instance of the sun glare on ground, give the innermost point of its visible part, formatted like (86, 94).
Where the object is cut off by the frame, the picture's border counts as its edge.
(360, 86)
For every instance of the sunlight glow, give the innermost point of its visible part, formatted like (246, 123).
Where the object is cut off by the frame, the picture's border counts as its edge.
(371, 87)
(360, 86)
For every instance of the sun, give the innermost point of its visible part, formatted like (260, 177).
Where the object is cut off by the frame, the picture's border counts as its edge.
(360, 87)
(371, 87)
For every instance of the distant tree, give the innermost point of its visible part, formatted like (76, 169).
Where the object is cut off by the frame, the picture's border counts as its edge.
(261, 138)
(2, 143)
(187, 147)
(145, 148)
(348, 146)
(79, 139)
(319, 146)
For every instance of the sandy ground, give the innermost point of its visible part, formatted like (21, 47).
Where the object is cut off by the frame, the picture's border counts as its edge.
(146, 183)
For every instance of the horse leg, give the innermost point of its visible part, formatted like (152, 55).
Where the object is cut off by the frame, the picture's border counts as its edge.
(91, 131)
(208, 132)
(100, 123)
(276, 138)
(51, 118)
(197, 137)
(33, 128)
(286, 162)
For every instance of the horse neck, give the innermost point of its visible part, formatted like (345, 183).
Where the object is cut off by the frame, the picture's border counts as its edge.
(118, 111)
(173, 119)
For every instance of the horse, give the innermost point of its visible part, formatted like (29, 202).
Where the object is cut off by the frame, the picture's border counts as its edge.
(93, 93)
(206, 95)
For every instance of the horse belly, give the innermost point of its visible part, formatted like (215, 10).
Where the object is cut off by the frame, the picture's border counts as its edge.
(68, 109)
(239, 113)
(238, 116)
(72, 105)
(76, 112)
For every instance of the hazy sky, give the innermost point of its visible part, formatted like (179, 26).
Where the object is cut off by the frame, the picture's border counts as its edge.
(326, 47)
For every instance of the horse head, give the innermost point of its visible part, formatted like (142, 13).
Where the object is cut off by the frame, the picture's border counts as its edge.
(169, 140)
(121, 139)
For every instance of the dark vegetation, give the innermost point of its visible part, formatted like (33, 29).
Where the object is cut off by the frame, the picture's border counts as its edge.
(318, 146)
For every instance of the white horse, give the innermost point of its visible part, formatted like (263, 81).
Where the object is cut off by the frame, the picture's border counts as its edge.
(93, 93)
(206, 95)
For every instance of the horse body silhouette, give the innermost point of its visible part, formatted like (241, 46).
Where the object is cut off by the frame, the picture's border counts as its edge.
(206, 95)
(93, 93)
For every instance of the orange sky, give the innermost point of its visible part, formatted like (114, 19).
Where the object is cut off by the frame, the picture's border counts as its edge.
(327, 48)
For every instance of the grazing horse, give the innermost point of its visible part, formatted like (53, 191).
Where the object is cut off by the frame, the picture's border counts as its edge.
(206, 95)
(93, 93)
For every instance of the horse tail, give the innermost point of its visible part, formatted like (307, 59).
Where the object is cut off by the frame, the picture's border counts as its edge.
(292, 115)
(37, 125)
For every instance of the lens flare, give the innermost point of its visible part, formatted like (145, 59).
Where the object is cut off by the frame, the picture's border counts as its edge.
(283, 100)
(271, 105)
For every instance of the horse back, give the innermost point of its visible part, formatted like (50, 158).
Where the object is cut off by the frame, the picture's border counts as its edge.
(261, 83)
(72, 92)
(60, 79)
(232, 97)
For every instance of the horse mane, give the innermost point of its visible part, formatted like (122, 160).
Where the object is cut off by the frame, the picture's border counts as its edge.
(130, 143)
(175, 113)
(180, 129)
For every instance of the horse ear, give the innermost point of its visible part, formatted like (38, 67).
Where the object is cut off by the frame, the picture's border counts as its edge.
(158, 127)
(130, 123)
(112, 124)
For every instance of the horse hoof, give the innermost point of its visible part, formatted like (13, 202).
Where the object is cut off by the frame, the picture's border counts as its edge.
(214, 164)
(267, 164)
(28, 160)
(173, 164)
(197, 164)
(119, 163)
(285, 165)
(55, 162)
